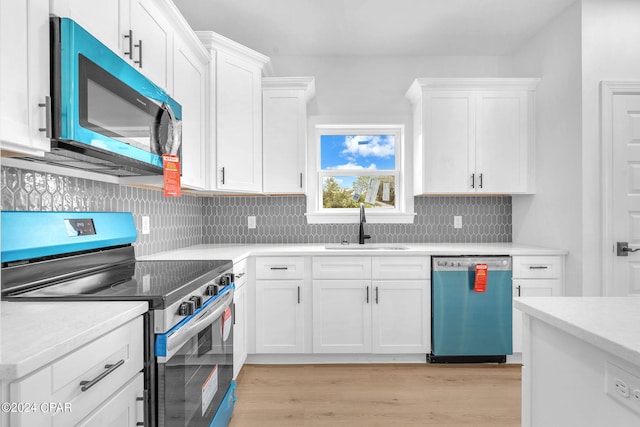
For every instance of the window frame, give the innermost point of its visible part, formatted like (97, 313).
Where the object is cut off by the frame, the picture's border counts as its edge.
(403, 211)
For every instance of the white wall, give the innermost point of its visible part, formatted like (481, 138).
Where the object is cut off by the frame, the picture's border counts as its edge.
(375, 85)
(553, 216)
(611, 51)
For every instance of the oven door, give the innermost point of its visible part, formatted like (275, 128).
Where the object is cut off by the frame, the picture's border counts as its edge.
(197, 370)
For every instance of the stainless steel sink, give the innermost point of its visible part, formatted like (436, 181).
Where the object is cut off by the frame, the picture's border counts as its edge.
(370, 247)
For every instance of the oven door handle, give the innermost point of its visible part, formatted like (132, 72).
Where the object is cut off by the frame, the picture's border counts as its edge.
(176, 340)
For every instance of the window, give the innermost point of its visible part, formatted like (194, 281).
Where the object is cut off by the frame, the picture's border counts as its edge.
(358, 168)
(357, 164)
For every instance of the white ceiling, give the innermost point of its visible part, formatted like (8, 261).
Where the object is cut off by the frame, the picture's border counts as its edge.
(374, 27)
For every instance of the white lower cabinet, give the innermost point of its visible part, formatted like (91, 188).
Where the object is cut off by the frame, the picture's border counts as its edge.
(535, 276)
(279, 316)
(240, 317)
(341, 316)
(367, 315)
(101, 384)
(124, 409)
(401, 316)
(280, 303)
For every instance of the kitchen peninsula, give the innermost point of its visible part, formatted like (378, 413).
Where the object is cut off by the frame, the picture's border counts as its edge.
(581, 361)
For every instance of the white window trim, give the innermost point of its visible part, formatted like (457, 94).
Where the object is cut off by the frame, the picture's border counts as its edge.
(402, 214)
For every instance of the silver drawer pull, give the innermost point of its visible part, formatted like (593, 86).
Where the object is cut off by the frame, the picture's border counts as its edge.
(86, 385)
(538, 267)
(279, 268)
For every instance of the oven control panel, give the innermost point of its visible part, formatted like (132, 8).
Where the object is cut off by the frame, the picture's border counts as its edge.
(167, 318)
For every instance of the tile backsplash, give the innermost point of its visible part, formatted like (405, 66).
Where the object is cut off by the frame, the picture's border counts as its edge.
(188, 220)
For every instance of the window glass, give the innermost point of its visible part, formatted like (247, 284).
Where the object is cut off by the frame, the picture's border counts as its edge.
(357, 152)
(358, 168)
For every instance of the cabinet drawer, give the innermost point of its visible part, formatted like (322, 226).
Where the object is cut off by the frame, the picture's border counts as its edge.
(240, 272)
(279, 268)
(537, 267)
(331, 267)
(121, 348)
(401, 268)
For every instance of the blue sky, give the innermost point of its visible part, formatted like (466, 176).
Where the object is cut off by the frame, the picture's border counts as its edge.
(357, 152)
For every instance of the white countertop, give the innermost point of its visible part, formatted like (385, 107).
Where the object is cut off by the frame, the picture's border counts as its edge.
(609, 323)
(238, 252)
(34, 334)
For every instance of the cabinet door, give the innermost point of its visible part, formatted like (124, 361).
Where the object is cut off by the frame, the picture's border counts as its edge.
(123, 409)
(152, 39)
(24, 75)
(239, 329)
(284, 141)
(401, 316)
(279, 316)
(189, 90)
(501, 142)
(239, 125)
(531, 288)
(102, 19)
(449, 141)
(342, 316)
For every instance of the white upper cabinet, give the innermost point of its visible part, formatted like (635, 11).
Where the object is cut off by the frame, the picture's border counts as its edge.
(474, 135)
(236, 115)
(103, 19)
(141, 31)
(24, 76)
(190, 62)
(151, 41)
(284, 133)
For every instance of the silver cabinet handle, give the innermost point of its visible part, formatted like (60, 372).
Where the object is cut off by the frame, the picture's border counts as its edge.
(130, 37)
(300, 179)
(377, 299)
(473, 180)
(139, 61)
(223, 175)
(298, 294)
(538, 267)
(367, 295)
(518, 289)
(279, 268)
(86, 385)
(47, 119)
(480, 181)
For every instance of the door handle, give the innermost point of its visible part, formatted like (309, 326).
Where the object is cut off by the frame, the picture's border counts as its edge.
(623, 249)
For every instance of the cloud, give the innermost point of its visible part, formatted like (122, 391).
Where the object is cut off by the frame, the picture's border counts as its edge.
(351, 165)
(369, 146)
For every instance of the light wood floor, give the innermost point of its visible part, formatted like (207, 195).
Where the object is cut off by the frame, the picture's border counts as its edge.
(378, 395)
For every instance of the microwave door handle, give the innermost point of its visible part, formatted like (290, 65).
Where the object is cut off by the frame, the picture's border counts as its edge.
(184, 334)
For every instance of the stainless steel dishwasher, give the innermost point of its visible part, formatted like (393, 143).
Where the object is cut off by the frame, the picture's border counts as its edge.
(471, 324)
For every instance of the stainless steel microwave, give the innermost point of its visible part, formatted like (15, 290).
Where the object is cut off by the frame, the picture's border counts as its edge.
(105, 115)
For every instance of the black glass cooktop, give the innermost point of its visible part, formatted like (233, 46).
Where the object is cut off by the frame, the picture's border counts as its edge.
(161, 283)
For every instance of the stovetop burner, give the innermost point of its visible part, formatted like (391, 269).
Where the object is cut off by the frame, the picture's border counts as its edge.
(161, 283)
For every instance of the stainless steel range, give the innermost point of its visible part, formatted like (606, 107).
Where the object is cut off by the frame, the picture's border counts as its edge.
(70, 256)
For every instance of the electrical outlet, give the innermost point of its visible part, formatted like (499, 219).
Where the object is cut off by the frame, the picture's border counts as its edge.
(457, 221)
(146, 225)
(251, 222)
(622, 386)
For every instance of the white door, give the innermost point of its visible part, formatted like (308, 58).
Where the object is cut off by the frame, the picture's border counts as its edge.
(501, 142)
(625, 192)
(401, 320)
(279, 316)
(342, 316)
(189, 90)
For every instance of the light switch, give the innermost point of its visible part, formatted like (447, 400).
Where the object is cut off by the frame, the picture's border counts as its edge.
(457, 221)
(251, 222)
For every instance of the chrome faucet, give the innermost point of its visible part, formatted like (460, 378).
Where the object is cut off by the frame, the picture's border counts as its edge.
(363, 219)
